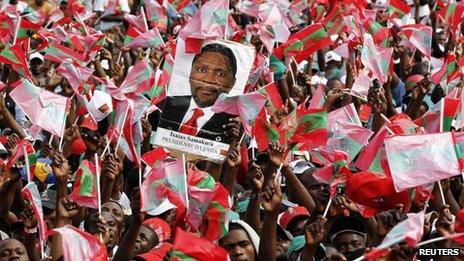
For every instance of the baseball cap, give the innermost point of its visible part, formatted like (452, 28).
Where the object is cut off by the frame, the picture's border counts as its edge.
(36, 55)
(300, 166)
(344, 224)
(332, 56)
(291, 213)
(160, 227)
(163, 207)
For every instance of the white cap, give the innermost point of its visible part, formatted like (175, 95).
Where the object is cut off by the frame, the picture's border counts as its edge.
(332, 56)
(300, 166)
(163, 207)
(36, 55)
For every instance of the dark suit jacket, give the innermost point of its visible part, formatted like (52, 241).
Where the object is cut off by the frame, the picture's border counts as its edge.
(174, 110)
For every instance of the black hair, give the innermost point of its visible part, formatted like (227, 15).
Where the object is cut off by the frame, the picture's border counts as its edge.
(222, 50)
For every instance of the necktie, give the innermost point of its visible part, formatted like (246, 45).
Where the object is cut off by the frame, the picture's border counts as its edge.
(190, 126)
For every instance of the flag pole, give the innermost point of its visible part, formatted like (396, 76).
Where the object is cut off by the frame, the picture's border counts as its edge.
(185, 179)
(17, 29)
(442, 108)
(145, 23)
(433, 240)
(62, 131)
(442, 194)
(97, 170)
(278, 175)
(120, 132)
(26, 159)
(326, 211)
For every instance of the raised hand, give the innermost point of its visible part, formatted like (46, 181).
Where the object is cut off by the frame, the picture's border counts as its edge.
(112, 166)
(315, 232)
(138, 215)
(234, 158)
(67, 209)
(72, 133)
(255, 177)
(445, 223)
(232, 129)
(60, 166)
(388, 219)
(272, 197)
(276, 154)
(28, 218)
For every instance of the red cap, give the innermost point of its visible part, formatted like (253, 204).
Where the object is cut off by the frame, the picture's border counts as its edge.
(291, 213)
(88, 123)
(161, 228)
(156, 253)
(376, 192)
(78, 146)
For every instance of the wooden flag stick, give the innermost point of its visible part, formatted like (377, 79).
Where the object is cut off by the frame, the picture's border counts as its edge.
(326, 211)
(122, 127)
(26, 159)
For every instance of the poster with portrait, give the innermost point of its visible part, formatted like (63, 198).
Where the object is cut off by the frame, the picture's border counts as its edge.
(187, 123)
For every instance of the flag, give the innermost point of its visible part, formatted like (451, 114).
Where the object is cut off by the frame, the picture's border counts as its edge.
(76, 75)
(398, 8)
(346, 114)
(131, 34)
(136, 22)
(361, 84)
(460, 114)
(139, 79)
(459, 147)
(58, 53)
(274, 101)
(18, 152)
(85, 186)
(79, 245)
(336, 171)
(451, 14)
(370, 158)
(202, 249)
(167, 181)
(158, 92)
(311, 126)
(349, 138)
(31, 193)
(377, 60)
(420, 36)
(43, 108)
(313, 37)
(266, 133)
(153, 156)
(430, 121)
(156, 14)
(246, 106)
(409, 159)
(208, 23)
(318, 98)
(149, 39)
(379, 33)
(179, 4)
(16, 58)
(208, 205)
(450, 110)
(449, 71)
(27, 28)
(124, 130)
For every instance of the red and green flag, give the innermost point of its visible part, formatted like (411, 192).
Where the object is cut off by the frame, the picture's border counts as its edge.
(379, 33)
(398, 8)
(15, 56)
(179, 4)
(85, 186)
(450, 110)
(151, 38)
(58, 53)
(313, 37)
(132, 32)
(189, 247)
(158, 92)
(451, 14)
(448, 72)
(312, 126)
(266, 133)
(274, 101)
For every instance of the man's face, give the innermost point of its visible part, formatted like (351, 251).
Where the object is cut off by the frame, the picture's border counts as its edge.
(146, 240)
(36, 66)
(211, 75)
(350, 244)
(12, 249)
(282, 247)
(239, 246)
(114, 209)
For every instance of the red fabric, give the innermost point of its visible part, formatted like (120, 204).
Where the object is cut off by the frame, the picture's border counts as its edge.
(190, 127)
(157, 254)
(291, 213)
(160, 227)
(198, 248)
(78, 146)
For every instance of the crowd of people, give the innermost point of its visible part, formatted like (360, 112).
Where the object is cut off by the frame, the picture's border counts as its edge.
(308, 178)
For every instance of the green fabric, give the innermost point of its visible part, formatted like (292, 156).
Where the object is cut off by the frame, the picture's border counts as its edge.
(296, 245)
(277, 67)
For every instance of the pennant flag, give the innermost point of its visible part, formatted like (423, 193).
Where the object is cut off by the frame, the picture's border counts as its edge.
(312, 126)
(31, 193)
(208, 205)
(349, 138)
(377, 60)
(16, 58)
(313, 38)
(409, 159)
(274, 101)
(202, 249)
(448, 72)
(420, 36)
(149, 39)
(155, 155)
(246, 106)
(209, 22)
(43, 108)
(451, 14)
(85, 186)
(136, 22)
(167, 181)
(266, 133)
(398, 8)
(79, 245)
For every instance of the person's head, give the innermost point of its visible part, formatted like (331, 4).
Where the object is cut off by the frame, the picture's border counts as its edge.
(115, 209)
(318, 190)
(239, 244)
(334, 84)
(36, 62)
(39, 2)
(212, 73)
(283, 241)
(92, 224)
(12, 249)
(294, 220)
(442, 39)
(63, 5)
(152, 232)
(348, 235)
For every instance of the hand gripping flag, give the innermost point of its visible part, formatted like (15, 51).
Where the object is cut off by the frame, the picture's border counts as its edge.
(377, 60)
(85, 186)
(31, 194)
(274, 101)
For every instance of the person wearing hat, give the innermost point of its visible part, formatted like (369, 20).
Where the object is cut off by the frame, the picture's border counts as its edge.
(294, 220)
(284, 238)
(242, 242)
(348, 235)
(152, 233)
